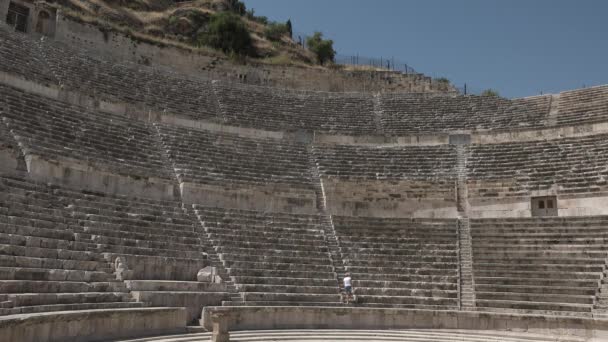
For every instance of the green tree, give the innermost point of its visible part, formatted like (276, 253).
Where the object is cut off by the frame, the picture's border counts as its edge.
(323, 48)
(490, 92)
(289, 28)
(227, 32)
(238, 7)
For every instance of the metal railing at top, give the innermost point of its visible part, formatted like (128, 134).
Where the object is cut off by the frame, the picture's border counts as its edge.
(391, 64)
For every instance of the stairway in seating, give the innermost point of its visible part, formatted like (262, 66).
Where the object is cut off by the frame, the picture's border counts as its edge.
(467, 286)
(600, 308)
(215, 261)
(328, 225)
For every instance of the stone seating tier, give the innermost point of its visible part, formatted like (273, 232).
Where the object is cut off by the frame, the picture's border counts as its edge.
(583, 105)
(377, 163)
(226, 159)
(411, 114)
(287, 110)
(161, 90)
(19, 55)
(273, 258)
(539, 264)
(396, 262)
(53, 129)
(573, 165)
(57, 247)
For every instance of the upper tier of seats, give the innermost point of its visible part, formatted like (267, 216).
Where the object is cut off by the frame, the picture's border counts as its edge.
(281, 109)
(583, 105)
(19, 55)
(574, 165)
(539, 264)
(227, 159)
(406, 113)
(162, 90)
(378, 163)
(410, 263)
(58, 247)
(273, 258)
(54, 129)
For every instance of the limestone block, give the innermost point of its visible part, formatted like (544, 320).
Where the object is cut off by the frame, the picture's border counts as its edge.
(208, 275)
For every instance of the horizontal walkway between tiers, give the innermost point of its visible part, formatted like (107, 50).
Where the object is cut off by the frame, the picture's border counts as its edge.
(369, 335)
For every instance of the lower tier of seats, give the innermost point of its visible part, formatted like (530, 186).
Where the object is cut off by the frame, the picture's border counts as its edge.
(367, 335)
(92, 325)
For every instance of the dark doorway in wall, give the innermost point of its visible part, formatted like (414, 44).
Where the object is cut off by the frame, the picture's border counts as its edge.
(544, 206)
(42, 24)
(17, 16)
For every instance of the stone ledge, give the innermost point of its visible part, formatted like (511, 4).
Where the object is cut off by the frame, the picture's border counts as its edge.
(271, 318)
(92, 325)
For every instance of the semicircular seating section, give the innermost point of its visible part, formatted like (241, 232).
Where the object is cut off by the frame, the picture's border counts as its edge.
(381, 163)
(273, 258)
(54, 130)
(409, 335)
(388, 181)
(159, 89)
(417, 113)
(58, 247)
(19, 56)
(583, 106)
(570, 166)
(539, 265)
(226, 159)
(278, 109)
(401, 262)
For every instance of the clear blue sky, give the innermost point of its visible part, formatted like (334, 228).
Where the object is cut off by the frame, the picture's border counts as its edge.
(518, 47)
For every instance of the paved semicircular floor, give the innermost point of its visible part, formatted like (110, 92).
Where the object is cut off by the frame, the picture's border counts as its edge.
(368, 335)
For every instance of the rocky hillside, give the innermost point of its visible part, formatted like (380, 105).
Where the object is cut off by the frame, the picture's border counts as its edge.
(183, 23)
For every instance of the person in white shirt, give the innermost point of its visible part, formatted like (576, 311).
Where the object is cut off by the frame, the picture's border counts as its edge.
(348, 287)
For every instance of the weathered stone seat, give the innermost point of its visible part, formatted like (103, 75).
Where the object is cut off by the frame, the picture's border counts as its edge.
(273, 258)
(544, 264)
(282, 109)
(388, 269)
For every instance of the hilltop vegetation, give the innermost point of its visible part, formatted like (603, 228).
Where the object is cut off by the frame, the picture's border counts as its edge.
(218, 26)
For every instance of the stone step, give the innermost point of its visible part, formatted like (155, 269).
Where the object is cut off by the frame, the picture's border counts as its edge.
(427, 285)
(410, 335)
(402, 270)
(528, 305)
(539, 267)
(27, 286)
(274, 258)
(536, 297)
(552, 276)
(174, 286)
(34, 262)
(244, 273)
(538, 281)
(281, 253)
(235, 265)
(263, 246)
(290, 297)
(33, 299)
(295, 289)
(285, 281)
(356, 258)
(403, 292)
(540, 289)
(71, 307)
(44, 274)
(406, 300)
